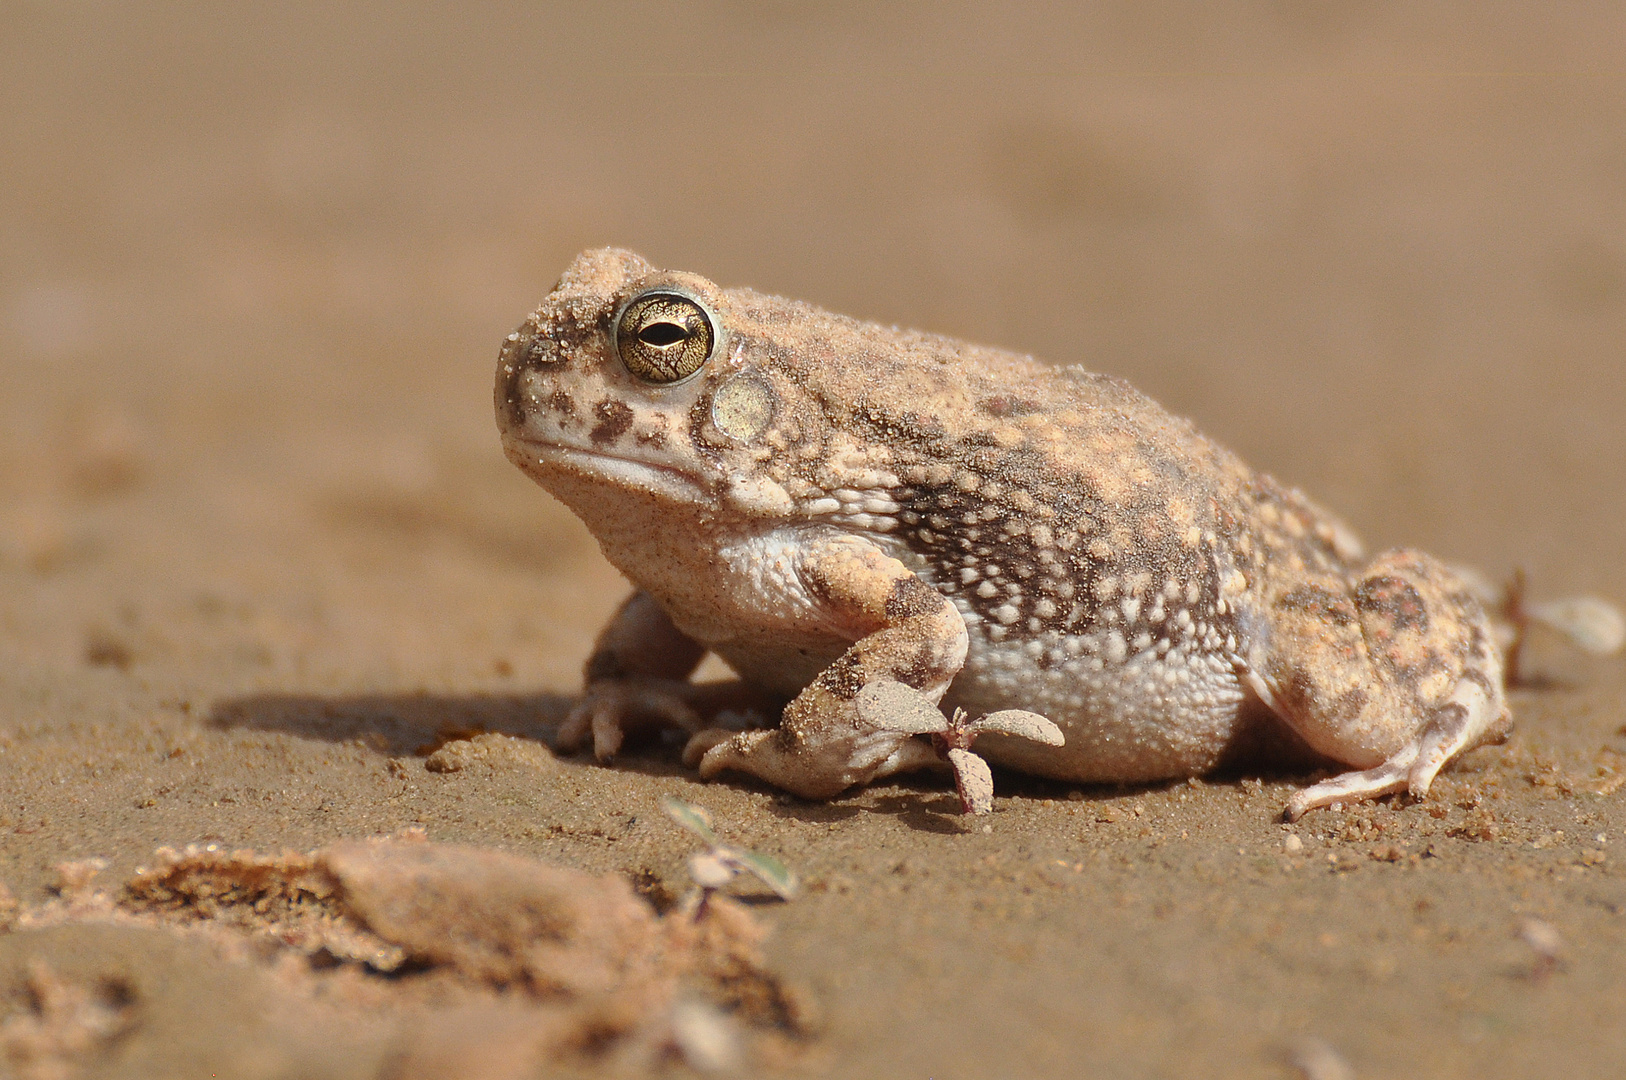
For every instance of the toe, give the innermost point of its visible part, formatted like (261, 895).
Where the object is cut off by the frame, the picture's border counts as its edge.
(573, 732)
(607, 733)
(1353, 786)
(697, 752)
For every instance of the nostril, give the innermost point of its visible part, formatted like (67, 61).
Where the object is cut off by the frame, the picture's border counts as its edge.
(533, 350)
(516, 350)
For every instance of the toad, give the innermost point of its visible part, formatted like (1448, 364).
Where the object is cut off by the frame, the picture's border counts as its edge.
(894, 531)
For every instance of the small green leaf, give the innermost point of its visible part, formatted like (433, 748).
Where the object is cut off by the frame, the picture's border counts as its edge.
(691, 817)
(773, 873)
(710, 869)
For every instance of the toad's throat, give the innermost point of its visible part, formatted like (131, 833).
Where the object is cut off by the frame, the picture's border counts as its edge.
(555, 465)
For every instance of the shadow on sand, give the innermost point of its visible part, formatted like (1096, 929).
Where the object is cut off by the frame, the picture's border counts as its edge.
(396, 724)
(417, 724)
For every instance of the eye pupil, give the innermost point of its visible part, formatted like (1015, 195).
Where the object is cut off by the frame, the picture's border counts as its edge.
(663, 334)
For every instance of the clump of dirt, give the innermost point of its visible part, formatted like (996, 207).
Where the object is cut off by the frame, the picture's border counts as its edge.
(472, 944)
(493, 748)
(273, 902)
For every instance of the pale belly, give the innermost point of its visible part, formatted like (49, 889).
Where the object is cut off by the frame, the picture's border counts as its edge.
(1145, 718)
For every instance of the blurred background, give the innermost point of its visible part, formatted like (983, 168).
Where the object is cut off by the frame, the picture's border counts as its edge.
(259, 544)
(256, 260)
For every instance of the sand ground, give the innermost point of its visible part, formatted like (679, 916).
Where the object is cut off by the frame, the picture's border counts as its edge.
(260, 552)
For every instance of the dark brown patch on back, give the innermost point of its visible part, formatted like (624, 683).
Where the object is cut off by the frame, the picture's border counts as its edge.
(1348, 706)
(1323, 603)
(1395, 601)
(1008, 405)
(1303, 693)
(920, 429)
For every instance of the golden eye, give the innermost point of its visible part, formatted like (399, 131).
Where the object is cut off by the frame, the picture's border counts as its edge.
(663, 337)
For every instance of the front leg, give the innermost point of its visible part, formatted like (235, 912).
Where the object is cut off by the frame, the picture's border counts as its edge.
(902, 630)
(639, 671)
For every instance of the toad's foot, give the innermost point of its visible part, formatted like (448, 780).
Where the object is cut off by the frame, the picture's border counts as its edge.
(817, 769)
(613, 709)
(1394, 670)
(895, 713)
(1457, 725)
(609, 710)
(892, 706)
(637, 677)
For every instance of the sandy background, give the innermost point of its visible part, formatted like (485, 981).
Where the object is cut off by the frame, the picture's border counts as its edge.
(260, 551)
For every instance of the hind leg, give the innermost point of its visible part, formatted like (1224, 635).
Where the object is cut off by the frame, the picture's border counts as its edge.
(1395, 673)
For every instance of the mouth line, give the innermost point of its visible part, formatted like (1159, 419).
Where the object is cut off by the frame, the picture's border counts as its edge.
(630, 472)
